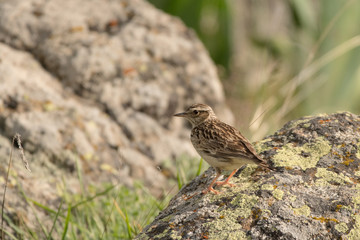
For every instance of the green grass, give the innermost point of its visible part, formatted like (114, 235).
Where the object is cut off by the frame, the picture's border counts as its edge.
(99, 212)
(187, 169)
(107, 212)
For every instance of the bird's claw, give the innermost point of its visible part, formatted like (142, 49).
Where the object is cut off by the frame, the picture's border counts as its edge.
(224, 183)
(210, 189)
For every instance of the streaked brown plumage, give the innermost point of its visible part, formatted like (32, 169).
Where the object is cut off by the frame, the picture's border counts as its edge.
(220, 144)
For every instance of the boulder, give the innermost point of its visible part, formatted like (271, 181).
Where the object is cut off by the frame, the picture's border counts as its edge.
(93, 85)
(312, 193)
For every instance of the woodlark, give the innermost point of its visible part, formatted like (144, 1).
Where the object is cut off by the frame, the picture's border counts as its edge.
(220, 144)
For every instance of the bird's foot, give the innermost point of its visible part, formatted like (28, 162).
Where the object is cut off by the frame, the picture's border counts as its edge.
(210, 189)
(224, 183)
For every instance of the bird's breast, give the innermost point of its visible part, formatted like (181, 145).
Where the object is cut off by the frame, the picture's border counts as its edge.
(197, 139)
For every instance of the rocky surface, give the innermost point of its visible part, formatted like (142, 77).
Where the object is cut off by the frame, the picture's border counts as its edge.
(94, 84)
(313, 193)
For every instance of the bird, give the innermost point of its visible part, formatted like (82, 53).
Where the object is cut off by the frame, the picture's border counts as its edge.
(219, 144)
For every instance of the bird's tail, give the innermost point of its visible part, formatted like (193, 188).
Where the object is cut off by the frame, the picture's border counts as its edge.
(264, 164)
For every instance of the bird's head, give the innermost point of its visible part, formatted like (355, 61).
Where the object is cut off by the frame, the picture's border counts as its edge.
(197, 114)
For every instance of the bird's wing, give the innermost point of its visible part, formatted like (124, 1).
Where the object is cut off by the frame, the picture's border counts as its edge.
(224, 141)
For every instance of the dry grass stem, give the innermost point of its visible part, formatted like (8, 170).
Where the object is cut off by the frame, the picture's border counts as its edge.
(23, 158)
(16, 138)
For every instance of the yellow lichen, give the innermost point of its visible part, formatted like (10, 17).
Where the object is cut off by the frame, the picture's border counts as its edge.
(261, 147)
(358, 151)
(355, 232)
(304, 211)
(268, 187)
(341, 227)
(356, 201)
(244, 203)
(347, 162)
(329, 176)
(174, 235)
(249, 170)
(296, 123)
(161, 235)
(325, 220)
(292, 198)
(278, 194)
(290, 155)
(227, 227)
(256, 213)
(338, 207)
(142, 236)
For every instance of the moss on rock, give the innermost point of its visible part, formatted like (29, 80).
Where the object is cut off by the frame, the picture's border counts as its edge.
(290, 155)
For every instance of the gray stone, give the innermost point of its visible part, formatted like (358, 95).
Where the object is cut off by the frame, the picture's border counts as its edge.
(312, 192)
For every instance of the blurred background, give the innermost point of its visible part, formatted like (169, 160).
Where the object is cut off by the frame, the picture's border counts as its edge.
(279, 60)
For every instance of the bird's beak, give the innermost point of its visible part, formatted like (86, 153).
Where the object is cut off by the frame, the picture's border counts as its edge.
(182, 114)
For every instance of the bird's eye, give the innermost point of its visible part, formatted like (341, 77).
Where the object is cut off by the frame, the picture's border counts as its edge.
(196, 112)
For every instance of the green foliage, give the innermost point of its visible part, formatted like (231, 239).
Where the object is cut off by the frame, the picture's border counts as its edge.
(200, 167)
(321, 63)
(285, 59)
(121, 213)
(342, 85)
(99, 212)
(187, 169)
(116, 212)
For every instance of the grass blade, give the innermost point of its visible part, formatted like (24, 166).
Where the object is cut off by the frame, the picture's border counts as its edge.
(129, 229)
(178, 178)
(200, 166)
(31, 205)
(67, 220)
(42, 206)
(14, 227)
(56, 217)
(89, 199)
(10, 235)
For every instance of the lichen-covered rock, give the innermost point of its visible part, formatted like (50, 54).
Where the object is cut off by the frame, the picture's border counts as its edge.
(313, 193)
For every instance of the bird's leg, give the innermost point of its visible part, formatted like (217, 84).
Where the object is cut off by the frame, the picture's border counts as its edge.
(227, 180)
(210, 188)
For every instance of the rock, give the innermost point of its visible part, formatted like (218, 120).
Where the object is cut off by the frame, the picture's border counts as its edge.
(95, 84)
(313, 193)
